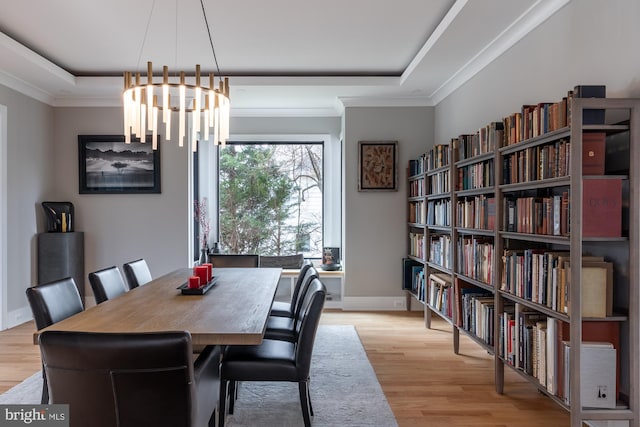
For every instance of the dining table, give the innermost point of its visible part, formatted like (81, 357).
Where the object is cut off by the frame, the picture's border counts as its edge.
(234, 311)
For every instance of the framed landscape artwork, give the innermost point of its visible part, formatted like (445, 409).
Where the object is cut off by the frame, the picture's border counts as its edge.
(107, 165)
(377, 165)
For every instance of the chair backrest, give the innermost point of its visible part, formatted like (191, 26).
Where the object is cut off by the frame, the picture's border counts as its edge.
(121, 379)
(296, 305)
(293, 262)
(54, 301)
(300, 280)
(311, 312)
(107, 283)
(137, 273)
(233, 260)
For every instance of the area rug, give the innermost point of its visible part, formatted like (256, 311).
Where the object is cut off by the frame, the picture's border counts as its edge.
(344, 390)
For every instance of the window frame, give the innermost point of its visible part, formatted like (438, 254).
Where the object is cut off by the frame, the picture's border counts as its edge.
(208, 167)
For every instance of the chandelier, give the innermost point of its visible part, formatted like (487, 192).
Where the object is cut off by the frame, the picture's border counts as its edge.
(204, 107)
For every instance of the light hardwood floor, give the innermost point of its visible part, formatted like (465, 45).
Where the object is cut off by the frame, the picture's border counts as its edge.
(425, 383)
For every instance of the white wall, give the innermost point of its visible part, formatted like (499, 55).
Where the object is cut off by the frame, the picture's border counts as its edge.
(376, 222)
(586, 42)
(30, 148)
(123, 227)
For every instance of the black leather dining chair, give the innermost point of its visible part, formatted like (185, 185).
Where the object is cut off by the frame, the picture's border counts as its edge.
(131, 379)
(286, 309)
(287, 328)
(234, 260)
(50, 303)
(275, 360)
(293, 262)
(107, 283)
(137, 273)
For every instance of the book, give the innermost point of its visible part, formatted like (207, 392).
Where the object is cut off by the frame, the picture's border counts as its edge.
(602, 207)
(591, 116)
(593, 153)
(597, 331)
(598, 375)
(597, 289)
(551, 355)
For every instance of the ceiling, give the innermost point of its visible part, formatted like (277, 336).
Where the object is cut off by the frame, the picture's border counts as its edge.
(284, 57)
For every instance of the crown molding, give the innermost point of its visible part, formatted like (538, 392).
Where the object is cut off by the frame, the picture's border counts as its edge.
(535, 15)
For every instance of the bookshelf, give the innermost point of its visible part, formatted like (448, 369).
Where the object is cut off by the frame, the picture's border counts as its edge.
(429, 263)
(531, 225)
(438, 235)
(474, 234)
(414, 282)
(548, 183)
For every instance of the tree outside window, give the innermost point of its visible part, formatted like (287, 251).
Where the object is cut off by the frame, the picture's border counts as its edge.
(271, 198)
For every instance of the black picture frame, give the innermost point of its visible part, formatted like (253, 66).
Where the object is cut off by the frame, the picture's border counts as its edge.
(103, 161)
(377, 165)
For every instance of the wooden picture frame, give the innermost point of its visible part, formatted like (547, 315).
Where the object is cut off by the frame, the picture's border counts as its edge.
(377, 165)
(108, 165)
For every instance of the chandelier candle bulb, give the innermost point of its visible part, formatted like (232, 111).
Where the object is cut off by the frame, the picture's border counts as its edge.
(137, 99)
(149, 95)
(154, 140)
(181, 112)
(143, 122)
(196, 109)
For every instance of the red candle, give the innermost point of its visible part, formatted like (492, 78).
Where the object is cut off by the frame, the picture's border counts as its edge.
(209, 270)
(194, 282)
(203, 273)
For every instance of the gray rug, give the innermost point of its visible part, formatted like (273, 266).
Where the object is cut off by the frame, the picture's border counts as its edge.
(344, 390)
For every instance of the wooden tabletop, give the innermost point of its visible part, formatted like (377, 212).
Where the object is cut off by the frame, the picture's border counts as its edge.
(234, 311)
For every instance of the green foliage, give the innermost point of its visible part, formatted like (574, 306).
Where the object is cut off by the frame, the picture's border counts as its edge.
(261, 190)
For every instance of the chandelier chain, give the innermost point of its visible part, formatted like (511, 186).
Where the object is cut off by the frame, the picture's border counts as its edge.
(146, 31)
(206, 23)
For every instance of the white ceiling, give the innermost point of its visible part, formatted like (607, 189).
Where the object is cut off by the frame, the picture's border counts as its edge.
(284, 57)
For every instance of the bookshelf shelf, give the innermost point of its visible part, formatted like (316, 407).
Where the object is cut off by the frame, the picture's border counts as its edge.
(475, 282)
(479, 341)
(563, 181)
(541, 238)
(536, 306)
(439, 268)
(438, 196)
(475, 192)
(437, 170)
(438, 313)
(538, 173)
(475, 159)
(474, 231)
(439, 228)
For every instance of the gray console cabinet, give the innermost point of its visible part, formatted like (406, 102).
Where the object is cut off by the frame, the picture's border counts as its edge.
(61, 255)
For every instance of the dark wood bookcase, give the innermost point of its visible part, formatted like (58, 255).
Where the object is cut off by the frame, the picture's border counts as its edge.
(526, 231)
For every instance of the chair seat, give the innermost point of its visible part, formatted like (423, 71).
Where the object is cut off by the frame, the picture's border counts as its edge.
(281, 309)
(280, 328)
(273, 360)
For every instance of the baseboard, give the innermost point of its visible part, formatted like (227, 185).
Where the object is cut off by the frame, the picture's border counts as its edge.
(374, 303)
(18, 317)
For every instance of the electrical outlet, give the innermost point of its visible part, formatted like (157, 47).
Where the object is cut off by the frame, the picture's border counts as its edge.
(398, 304)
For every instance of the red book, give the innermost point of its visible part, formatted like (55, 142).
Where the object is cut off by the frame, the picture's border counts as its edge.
(593, 153)
(602, 207)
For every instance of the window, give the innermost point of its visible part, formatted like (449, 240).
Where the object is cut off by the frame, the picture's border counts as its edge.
(271, 198)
